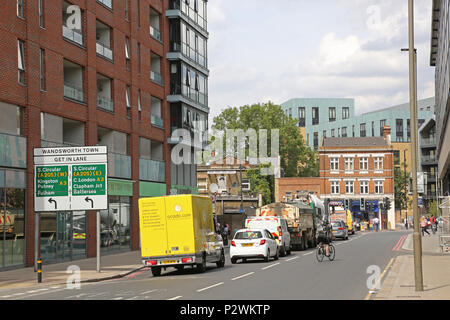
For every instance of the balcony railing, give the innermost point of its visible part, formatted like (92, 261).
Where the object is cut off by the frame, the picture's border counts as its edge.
(189, 13)
(426, 159)
(428, 141)
(72, 35)
(106, 3)
(157, 121)
(156, 77)
(155, 33)
(119, 165)
(104, 51)
(151, 170)
(13, 151)
(73, 92)
(105, 103)
(188, 52)
(49, 144)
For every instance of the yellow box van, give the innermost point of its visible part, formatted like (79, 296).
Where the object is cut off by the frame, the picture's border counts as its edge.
(177, 231)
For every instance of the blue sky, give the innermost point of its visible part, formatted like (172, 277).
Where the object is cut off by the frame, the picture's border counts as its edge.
(261, 50)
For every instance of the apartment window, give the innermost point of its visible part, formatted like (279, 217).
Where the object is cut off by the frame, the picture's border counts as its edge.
(345, 113)
(332, 133)
(42, 68)
(397, 157)
(20, 10)
(373, 128)
(139, 13)
(379, 187)
(335, 187)
(106, 3)
(344, 132)
(353, 131)
(41, 13)
(139, 105)
(127, 52)
(334, 164)
(349, 187)
(364, 187)
(362, 130)
(339, 132)
(349, 165)
(128, 101)
(21, 61)
(301, 117)
(332, 114)
(324, 134)
(399, 130)
(316, 140)
(408, 130)
(363, 163)
(139, 57)
(315, 115)
(382, 125)
(378, 163)
(420, 123)
(127, 10)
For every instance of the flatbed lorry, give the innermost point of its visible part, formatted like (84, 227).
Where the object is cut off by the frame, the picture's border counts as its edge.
(179, 231)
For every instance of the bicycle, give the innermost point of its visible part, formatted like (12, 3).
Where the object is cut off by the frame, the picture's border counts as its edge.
(321, 252)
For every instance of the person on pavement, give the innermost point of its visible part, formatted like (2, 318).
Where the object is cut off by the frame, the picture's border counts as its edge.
(424, 225)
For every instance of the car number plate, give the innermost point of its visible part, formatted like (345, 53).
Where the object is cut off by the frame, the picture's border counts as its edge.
(334, 231)
(169, 261)
(247, 244)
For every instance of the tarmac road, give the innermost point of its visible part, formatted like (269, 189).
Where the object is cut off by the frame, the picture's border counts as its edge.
(298, 276)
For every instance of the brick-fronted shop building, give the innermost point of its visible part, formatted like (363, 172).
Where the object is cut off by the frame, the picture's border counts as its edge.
(359, 168)
(127, 76)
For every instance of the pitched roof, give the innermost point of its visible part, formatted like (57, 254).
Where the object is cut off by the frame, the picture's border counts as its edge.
(355, 142)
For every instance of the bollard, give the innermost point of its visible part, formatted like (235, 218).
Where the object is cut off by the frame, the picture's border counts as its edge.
(39, 270)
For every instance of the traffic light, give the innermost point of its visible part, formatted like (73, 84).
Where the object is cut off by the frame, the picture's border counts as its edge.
(346, 204)
(387, 204)
(362, 204)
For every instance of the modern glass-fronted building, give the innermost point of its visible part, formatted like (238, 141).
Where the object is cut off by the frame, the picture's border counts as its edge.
(336, 118)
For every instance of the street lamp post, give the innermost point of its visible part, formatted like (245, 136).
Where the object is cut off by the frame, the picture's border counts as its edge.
(417, 240)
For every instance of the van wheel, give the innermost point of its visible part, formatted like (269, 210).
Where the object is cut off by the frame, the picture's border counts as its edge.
(233, 260)
(221, 262)
(156, 271)
(201, 267)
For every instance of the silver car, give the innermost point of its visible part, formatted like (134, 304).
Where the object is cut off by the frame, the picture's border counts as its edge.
(340, 229)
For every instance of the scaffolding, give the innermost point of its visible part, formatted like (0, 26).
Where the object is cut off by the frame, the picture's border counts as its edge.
(444, 225)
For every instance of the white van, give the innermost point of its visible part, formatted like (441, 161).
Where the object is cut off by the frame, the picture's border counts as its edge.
(277, 226)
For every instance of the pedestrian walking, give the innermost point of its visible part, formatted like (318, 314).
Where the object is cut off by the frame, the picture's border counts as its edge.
(225, 235)
(376, 223)
(406, 223)
(424, 225)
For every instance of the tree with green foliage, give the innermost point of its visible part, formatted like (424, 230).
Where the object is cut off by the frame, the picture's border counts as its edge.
(401, 188)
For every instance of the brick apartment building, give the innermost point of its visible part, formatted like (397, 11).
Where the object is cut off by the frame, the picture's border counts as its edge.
(359, 168)
(126, 77)
(286, 188)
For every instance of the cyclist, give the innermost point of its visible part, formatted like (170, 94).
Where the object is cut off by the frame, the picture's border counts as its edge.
(324, 236)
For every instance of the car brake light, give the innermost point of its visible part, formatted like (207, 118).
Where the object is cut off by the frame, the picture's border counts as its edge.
(233, 243)
(262, 242)
(186, 260)
(341, 228)
(152, 262)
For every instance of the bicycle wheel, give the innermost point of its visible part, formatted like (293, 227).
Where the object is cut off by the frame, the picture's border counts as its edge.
(332, 252)
(319, 254)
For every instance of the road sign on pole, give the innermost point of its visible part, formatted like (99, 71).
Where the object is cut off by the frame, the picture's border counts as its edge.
(71, 178)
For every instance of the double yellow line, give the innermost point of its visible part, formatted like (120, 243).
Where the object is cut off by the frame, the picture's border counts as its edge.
(381, 276)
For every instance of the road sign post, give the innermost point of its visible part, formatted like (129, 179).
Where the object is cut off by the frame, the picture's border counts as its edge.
(71, 179)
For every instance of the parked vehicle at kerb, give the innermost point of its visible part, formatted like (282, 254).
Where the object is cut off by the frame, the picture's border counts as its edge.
(277, 226)
(253, 243)
(339, 229)
(177, 231)
(300, 219)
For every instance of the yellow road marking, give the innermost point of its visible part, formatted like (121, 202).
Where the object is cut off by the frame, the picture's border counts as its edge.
(381, 276)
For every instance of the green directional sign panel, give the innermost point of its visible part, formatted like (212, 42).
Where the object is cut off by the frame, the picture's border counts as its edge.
(52, 181)
(89, 180)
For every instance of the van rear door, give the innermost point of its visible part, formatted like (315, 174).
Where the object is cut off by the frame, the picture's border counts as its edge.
(152, 220)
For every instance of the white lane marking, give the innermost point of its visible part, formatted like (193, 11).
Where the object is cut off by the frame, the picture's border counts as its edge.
(38, 294)
(55, 287)
(290, 259)
(77, 295)
(214, 285)
(150, 291)
(19, 294)
(133, 298)
(118, 298)
(244, 275)
(308, 253)
(6, 296)
(175, 298)
(272, 265)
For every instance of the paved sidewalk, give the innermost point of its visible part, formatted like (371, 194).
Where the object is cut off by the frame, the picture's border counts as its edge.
(111, 266)
(399, 283)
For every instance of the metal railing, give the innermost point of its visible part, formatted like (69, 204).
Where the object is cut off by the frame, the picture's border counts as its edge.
(157, 121)
(426, 159)
(104, 51)
(105, 103)
(119, 165)
(73, 92)
(428, 141)
(73, 35)
(151, 170)
(156, 77)
(155, 33)
(13, 150)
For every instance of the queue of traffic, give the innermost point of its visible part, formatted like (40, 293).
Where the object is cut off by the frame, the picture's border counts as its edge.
(181, 231)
